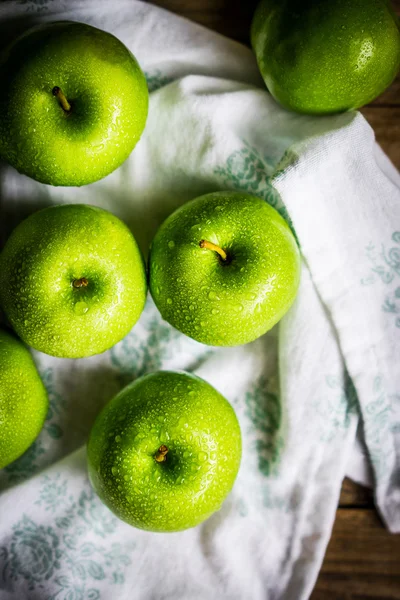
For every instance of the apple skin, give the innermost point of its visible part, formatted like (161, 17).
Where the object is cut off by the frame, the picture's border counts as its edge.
(324, 57)
(105, 86)
(23, 399)
(197, 425)
(224, 304)
(43, 260)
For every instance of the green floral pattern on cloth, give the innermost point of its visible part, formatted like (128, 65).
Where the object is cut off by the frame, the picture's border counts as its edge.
(385, 268)
(273, 501)
(248, 170)
(34, 458)
(263, 410)
(37, 553)
(337, 407)
(151, 344)
(143, 352)
(156, 80)
(35, 5)
(381, 421)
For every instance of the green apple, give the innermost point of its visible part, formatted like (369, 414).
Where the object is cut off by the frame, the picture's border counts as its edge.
(23, 399)
(224, 268)
(326, 56)
(165, 452)
(72, 280)
(73, 103)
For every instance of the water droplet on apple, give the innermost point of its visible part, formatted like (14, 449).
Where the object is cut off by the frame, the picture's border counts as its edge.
(203, 456)
(171, 244)
(169, 301)
(26, 322)
(212, 295)
(215, 311)
(239, 307)
(117, 438)
(114, 471)
(81, 308)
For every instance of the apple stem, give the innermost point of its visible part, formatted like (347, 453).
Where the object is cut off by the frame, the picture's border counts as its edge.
(161, 455)
(58, 93)
(79, 283)
(214, 247)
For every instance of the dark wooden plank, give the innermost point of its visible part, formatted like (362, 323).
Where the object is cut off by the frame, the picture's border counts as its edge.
(229, 17)
(385, 121)
(355, 496)
(362, 561)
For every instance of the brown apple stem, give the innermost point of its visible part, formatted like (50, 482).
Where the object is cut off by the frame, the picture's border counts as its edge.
(58, 93)
(80, 283)
(214, 247)
(161, 455)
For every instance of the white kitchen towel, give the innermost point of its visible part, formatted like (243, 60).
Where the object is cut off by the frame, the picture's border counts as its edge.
(298, 391)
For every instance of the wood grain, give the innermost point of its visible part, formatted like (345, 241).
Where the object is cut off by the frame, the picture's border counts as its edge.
(362, 561)
(385, 121)
(229, 17)
(355, 496)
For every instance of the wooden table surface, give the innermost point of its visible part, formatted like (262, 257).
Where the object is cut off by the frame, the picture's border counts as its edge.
(362, 561)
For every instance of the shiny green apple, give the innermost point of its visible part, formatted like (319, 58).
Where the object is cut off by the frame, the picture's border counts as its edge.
(72, 280)
(165, 452)
(224, 268)
(326, 56)
(73, 103)
(23, 399)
